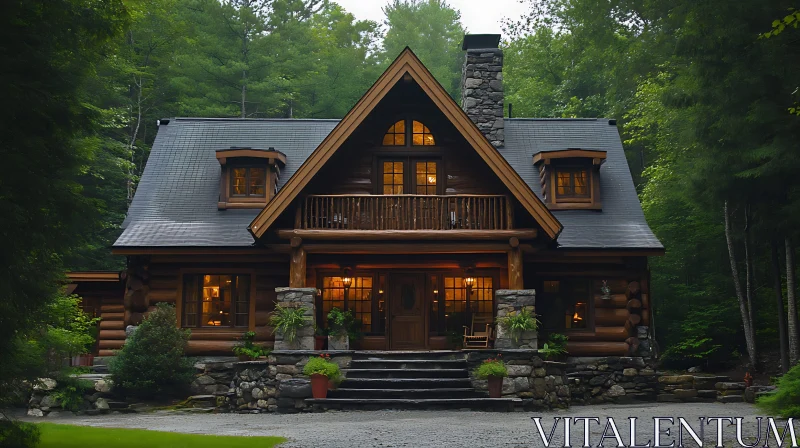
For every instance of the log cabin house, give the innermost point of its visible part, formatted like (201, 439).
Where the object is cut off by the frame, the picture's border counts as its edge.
(408, 192)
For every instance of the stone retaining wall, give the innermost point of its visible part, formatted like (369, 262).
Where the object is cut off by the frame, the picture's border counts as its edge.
(96, 400)
(614, 379)
(276, 384)
(540, 384)
(700, 388)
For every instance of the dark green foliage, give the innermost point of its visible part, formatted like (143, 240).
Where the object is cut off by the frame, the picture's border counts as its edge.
(287, 320)
(785, 401)
(247, 347)
(18, 434)
(340, 322)
(516, 323)
(70, 391)
(322, 365)
(152, 362)
(491, 367)
(556, 345)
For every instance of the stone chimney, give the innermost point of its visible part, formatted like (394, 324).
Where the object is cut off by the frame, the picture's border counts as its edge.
(482, 85)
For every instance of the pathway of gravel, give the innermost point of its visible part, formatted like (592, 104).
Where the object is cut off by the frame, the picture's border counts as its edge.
(432, 428)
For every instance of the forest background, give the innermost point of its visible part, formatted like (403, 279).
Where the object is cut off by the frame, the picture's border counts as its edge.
(704, 92)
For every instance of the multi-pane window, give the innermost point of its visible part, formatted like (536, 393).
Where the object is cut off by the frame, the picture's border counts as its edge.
(393, 177)
(396, 135)
(425, 177)
(572, 183)
(212, 300)
(399, 135)
(357, 298)
(458, 307)
(421, 135)
(248, 182)
(565, 304)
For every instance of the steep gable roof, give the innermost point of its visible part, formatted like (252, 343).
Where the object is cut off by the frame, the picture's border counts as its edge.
(406, 63)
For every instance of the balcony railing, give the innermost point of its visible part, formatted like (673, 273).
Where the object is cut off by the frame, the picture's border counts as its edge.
(406, 212)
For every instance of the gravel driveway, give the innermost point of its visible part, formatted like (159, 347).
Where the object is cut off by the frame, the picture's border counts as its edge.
(430, 428)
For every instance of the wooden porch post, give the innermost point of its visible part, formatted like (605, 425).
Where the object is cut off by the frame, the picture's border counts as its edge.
(297, 268)
(515, 265)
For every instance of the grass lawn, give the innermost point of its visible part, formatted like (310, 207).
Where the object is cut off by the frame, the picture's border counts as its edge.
(68, 436)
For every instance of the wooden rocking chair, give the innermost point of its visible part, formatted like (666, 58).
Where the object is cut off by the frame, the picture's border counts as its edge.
(479, 333)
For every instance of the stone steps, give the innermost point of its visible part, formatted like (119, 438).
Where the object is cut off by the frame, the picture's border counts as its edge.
(410, 380)
(478, 404)
(455, 392)
(407, 373)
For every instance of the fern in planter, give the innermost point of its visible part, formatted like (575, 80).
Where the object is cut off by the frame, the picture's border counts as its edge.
(340, 323)
(556, 345)
(247, 347)
(517, 323)
(287, 320)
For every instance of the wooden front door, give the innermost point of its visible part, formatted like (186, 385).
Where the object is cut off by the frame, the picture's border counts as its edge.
(407, 311)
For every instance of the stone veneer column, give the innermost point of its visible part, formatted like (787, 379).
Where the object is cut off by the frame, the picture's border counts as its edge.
(514, 300)
(482, 92)
(294, 298)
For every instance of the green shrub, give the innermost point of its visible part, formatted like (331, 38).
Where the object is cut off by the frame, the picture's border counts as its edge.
(70, 391)
(15, 434)
(322, 365)
(341, 323)
(287, 320)
(555, 345)
(492, 367)
(152, 361)
(519, 322)
(785, 401)
(247, 347)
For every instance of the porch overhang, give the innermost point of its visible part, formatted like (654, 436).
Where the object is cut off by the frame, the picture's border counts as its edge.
(408, 235)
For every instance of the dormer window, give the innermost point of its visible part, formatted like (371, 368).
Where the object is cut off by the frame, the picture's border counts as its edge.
(411, 131)
(248, 182)
(571, 178)
(248, 176)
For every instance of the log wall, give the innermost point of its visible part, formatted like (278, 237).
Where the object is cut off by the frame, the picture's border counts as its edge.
(615, 318)
(159, 279)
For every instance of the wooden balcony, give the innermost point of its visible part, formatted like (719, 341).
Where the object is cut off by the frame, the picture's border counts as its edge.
(406, 212)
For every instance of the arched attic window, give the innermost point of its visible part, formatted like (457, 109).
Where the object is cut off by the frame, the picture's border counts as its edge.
(405, 131)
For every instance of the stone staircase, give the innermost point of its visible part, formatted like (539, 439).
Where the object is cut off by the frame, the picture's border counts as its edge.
(410, 380)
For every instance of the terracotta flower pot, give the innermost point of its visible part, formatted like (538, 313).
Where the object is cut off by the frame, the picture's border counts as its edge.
(319, 385)
(495, 386)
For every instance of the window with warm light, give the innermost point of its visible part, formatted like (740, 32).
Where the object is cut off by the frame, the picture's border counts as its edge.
(393, 178)
(459, 306)
(408, 133)
(572, 183)
(212, 300)
(425, 177)
(356, 298)
(248, 182)
(566, 304)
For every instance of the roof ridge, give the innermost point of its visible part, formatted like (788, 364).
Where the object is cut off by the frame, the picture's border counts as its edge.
(253, 119)
(555, 119)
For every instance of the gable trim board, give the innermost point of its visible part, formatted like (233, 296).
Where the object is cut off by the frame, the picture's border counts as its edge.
(406, 63)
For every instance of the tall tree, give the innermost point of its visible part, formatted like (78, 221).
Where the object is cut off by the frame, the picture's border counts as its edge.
(50, 49)
(433, 30)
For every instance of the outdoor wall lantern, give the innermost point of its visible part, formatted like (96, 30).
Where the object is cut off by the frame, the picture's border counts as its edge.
(469, 279)
(347, 279)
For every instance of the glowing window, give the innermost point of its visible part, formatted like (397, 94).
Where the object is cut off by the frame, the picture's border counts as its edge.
(248, 182)
(358, 299)
(398, 134)
(216, 300)
(572, 183)
(392, 177)
(425, 177)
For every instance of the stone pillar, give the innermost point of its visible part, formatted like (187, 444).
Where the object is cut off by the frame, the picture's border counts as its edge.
(514, 300)
(482, 85)
(294, 298)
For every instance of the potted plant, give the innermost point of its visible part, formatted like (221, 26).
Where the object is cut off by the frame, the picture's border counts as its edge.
(322, 371)
(246, 349)
(493, 370)
(340, 324)
(555, 346)
(519, 324)
(320, 337)
(286, 320)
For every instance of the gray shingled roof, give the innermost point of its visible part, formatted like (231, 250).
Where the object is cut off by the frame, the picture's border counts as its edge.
(176, 201)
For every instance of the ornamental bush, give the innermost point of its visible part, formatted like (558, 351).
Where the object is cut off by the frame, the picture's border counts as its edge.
(785, 401)
(152, 362)
(14, 434)
(492, 367)
(322, 365)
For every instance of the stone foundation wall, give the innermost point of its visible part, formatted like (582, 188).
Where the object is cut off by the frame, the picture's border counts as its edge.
(295, 298)
(95, 401)
(510, 301)
(540, 384)
(611, 380)
(705, 389)
(276, 384)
